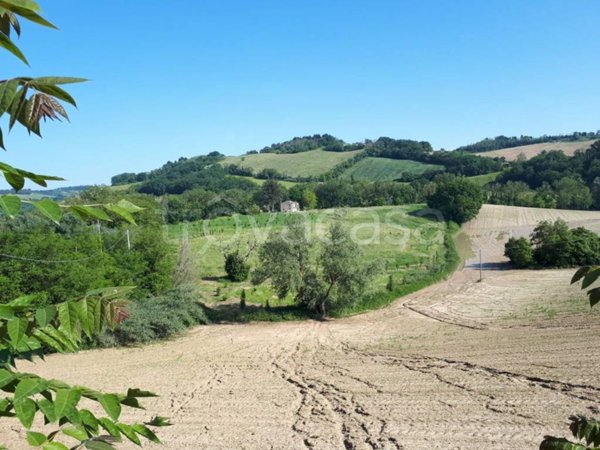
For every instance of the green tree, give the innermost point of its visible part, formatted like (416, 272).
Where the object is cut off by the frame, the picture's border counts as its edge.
(335, 278)
(27, 330)
(551, 244)
(519, 252)
(572, 193)
(270, 195)
(284, 259)
(458, 199)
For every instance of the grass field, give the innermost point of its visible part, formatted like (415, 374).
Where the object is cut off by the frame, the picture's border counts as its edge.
(408, 247)
(305, 164)
(260, 182)
(385, 169)
(484, 179)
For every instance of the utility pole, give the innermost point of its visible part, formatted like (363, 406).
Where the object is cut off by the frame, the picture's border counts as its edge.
(128, 240)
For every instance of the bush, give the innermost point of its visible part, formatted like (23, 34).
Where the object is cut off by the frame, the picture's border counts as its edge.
(161, 317)
(236, 267)
(519, 252)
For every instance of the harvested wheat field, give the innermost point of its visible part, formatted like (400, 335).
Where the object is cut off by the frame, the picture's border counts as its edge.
(495, 364)
(511, 154)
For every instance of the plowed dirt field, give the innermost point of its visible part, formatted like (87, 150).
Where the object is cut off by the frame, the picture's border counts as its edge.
(495, 364)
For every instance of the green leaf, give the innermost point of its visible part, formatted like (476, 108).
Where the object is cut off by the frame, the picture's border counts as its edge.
(8, 89)
(68, 316)
(552, 443)
(66, 402)
(23, 301)
(16, 180)
(110, 427)
(58, 80)
(89, 212)
(594, 296)
(128, 206)
(48, 208)
(89, 420)
(7, 44)
(28, 387)
(55, 446)
(75, 433)
(44, 316)
(6, 377)
(54, 91)
(56, 339)
(159, 421)
(10, 204)
(121, 212)
(25, 410)
(6, 312)
(590, 277)
(36, 439)
(98, 445)
(86, 322)
(47, 407)
(143, 430)
(26, 10)
(129, 432)
(29, 4)
(16, 330)
(580, 274)
(111, 404)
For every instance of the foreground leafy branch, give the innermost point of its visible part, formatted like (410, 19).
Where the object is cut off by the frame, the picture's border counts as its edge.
(589, 274)
(27, 331)
(583, 428)
(586, 431)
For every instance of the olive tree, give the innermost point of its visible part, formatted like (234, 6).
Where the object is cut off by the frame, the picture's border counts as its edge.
(334, 278)
(27, 331)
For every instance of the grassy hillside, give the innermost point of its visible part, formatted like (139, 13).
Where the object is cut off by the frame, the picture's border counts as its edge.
(260, 182)
(385, 169)
(482, 180)
(407, 246)
(511, 154)
(305, 164)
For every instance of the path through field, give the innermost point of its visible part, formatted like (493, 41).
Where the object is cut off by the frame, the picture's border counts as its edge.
(463, 364)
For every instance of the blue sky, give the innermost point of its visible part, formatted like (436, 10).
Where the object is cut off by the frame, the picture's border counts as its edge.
(186, 77)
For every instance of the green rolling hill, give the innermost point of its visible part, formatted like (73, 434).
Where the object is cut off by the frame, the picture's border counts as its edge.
(304, 164)
(385, 169)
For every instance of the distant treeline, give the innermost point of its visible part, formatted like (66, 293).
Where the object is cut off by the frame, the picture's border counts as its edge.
(500, 142)
(551, 180)
(57, 193)
(304, 144)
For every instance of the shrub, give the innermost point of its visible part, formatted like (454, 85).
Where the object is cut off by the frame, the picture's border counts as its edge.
(161, 317)
(519, 252)
(236, 267)
(243, 299)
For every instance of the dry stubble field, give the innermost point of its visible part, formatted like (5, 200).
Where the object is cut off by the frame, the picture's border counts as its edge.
(463, 364)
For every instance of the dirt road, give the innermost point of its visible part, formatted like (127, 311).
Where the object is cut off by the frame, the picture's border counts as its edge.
(463, 364)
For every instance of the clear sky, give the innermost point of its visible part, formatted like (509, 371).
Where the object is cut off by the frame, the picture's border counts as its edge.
(185, 77)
